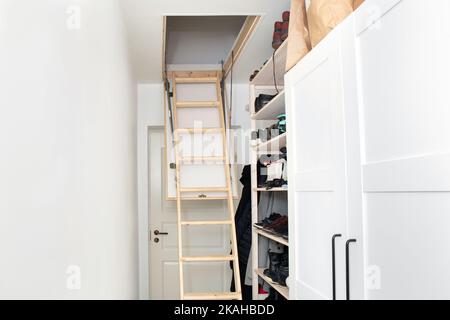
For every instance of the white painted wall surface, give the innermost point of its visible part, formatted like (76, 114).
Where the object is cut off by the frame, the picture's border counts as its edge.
(67, 152)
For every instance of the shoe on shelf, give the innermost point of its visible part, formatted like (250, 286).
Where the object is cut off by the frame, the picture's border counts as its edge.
(286, 16)
(276, 43)
(278, 223)
(281, 230)
(262, 100)
(283, 269)
(273, 295)
(278, 26)
(285, 31)
(253, 76)
(283, 274)
(274, 263)
(267, 221)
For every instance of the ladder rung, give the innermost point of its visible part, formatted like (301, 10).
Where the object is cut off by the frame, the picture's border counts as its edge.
(196, 104)
(199, 130)
(196, 80)
(207, 258)
(203, 159)
(213, 296)
(206, 189)
(205, 223)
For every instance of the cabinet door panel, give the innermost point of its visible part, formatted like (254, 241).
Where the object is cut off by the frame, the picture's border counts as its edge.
(405, 114)
(317, 194)
(408, 245)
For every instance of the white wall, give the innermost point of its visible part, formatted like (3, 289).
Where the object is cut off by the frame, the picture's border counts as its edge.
(67, 152)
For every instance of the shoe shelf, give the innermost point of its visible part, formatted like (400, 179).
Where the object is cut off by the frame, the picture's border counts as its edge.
(271, 236)
(265, 75)
(284, 291)
(274, 144)
(272, 110)
(272, 190)
(266, 83)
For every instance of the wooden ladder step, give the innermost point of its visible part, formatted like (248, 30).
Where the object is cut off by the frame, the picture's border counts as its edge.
(196, 104)
(207, 259)
(206, 223)
(201, 159)
(199, 130)
(205, 189)
(197, 80)
(213, 296)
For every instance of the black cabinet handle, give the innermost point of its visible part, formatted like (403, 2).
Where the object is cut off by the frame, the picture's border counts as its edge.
(333, 262)
(347, 267)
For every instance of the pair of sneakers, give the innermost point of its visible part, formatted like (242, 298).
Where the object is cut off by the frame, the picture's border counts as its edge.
(265, 223)
(276, 224)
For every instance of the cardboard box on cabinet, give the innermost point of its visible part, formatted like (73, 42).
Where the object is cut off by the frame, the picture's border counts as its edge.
(299, 42)
(325, 15)
(357, 3)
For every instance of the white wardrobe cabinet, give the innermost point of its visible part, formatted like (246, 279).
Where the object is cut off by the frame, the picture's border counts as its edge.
(369, 142)
(405, 113)
(316, 99)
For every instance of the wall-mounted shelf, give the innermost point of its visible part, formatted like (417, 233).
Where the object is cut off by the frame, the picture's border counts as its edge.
(281, 189)
(265, 75)
(273, 237)
(272, 110)
(274, 144)
(284, 291)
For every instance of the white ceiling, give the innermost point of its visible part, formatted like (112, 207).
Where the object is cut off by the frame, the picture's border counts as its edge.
(144, 21)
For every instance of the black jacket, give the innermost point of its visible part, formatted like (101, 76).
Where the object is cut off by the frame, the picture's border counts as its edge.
(243, 220)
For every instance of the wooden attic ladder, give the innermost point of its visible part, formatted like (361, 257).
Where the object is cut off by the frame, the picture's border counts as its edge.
(197, 78)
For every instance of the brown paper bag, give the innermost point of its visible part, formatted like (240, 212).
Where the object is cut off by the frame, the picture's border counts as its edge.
(299, 43)
(325, 15)
(357, 3)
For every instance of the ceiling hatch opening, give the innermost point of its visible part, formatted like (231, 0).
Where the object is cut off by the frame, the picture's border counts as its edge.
(205, 42)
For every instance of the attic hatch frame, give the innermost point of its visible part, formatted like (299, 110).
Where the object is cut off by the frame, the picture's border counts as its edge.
(244, 36)
(247, 31)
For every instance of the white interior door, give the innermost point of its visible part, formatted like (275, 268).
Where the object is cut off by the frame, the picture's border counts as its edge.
(317, 196)
(198, 241)
(406, 168)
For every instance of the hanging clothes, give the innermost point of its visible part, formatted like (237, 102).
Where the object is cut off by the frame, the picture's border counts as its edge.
(243, 220)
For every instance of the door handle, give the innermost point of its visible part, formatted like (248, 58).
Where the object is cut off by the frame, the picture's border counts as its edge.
(347, 267)
(333, 262)
(158, 233)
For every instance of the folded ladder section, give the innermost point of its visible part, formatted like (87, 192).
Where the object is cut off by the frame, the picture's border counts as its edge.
(199, 78)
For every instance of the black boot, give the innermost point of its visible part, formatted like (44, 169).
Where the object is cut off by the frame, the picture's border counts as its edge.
(274, 264)
(273, 294)
(283, 270)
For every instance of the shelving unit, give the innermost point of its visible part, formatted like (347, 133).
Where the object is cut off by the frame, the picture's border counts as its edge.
(266, 83)
(281, 189)
(273, 237)
(272, 109)
(265, 75)
(273, 144)
(284, 291)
